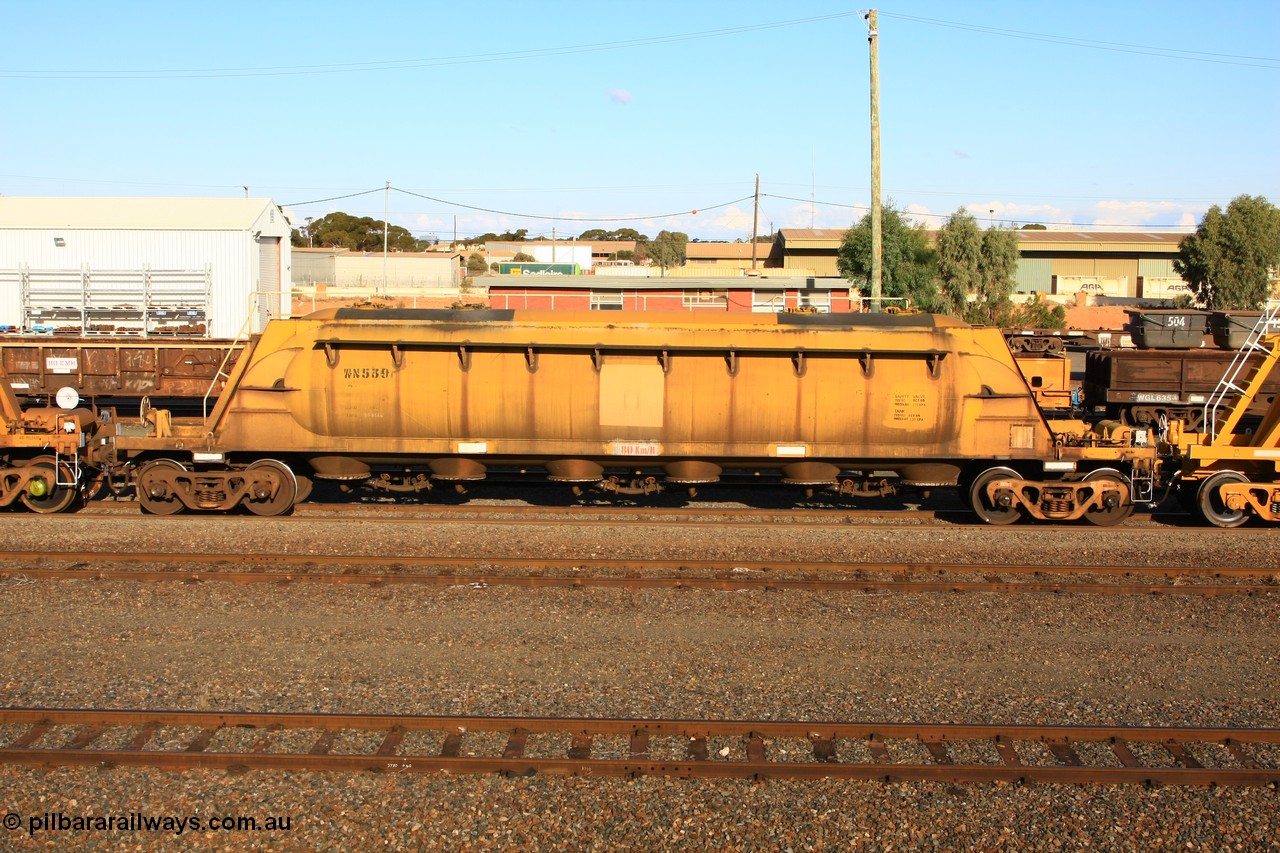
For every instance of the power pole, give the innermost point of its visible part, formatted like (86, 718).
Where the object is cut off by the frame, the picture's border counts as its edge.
(386, 228)
(755, 223)
(877, 248)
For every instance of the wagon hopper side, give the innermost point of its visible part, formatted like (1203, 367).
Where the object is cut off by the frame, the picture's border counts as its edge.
(403, 399)
(1148, 387)
(118, 373)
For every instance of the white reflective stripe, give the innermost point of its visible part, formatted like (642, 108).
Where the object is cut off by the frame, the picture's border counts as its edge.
(790, 450)
(473, 447)
(1059, 466)
(197, 456)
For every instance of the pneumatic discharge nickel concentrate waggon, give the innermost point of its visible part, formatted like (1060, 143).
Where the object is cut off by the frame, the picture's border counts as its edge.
(401, 400)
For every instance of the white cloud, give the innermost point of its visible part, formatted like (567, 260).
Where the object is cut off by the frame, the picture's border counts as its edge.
(621, 96)
(1138, 214)
(1103, 215)
(728, 223)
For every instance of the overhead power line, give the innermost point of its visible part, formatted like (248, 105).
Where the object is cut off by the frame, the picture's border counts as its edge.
(643, 217)
(632, 218)
(422, 62)
(333, 198)
(625, 44)
(549, 218)
(1091, 44)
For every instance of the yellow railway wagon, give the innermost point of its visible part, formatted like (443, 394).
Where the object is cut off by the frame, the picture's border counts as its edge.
(399, 399)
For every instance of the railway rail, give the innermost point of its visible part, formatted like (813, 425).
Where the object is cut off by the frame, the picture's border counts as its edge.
(765, 575)
(691, 515)
(690, 749)
(911, 517)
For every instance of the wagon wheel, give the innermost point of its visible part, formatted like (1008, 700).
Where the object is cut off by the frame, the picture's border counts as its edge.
(43, 494)
(1115, 514)
(275, 490)
(993, 512)
(1210, 504)
(154, 487)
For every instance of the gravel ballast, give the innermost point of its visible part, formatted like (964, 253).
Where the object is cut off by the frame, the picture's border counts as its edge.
(1028, 658)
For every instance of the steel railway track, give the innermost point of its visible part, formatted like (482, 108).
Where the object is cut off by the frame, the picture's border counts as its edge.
(691, 516)
(186, 740)
(527, 514)
(641, 574)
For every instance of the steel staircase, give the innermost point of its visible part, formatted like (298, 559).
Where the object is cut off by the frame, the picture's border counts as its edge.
(1244, 379)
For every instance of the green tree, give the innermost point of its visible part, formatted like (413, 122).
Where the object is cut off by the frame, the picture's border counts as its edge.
(340, 230)
(907, 268)
(669, 248)
(517, 236)
(1036, 313)
(301, 236)
(976, 268)
(476, 264)
(522, 257)
(616, 234)
(999, 275)
(1227, 263)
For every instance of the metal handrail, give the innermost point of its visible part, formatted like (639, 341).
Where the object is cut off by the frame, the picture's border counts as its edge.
(1268, 321)
(236, 344)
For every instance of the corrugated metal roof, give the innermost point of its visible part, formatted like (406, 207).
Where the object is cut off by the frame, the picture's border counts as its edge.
(181, 214)
(600, 282)
(1028, 237)
(813, 233)
(726, 250)
(598, 247)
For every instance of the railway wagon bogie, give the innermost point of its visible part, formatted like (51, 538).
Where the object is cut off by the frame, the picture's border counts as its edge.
(1231, 491)
(1101, 496)
(46, 454)
(43, 484)
(1216, 507)
(265, 487)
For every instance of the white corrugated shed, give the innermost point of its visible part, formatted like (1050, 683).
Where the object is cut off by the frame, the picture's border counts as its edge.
(242, 243)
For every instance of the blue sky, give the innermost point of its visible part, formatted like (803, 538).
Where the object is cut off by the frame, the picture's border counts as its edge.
(575, 115)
